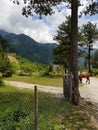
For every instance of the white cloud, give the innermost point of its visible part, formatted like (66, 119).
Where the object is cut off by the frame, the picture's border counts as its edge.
(11, 20)
(95, 45)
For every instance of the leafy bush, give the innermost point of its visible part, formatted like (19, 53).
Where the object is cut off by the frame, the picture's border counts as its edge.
(25, 73)
(94, 72)
(6, 68)
(8, 72)
(45, 71)
(1, 82)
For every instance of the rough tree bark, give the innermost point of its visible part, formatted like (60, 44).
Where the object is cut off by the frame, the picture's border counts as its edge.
(72, 83)
(89, 50)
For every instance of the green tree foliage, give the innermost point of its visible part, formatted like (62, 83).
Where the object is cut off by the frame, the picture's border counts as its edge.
(92, 8)
(90, 33)
(26, 67)
(95, 59)
(43, 7)
(62, 51)
(5, 66)
(5, 45)
(63, 37)
(40, 7)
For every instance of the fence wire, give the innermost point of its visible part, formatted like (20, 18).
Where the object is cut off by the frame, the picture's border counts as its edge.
(16, 109)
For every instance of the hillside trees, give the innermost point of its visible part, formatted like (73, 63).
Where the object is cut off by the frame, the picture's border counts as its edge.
(5, 66)
(5, 45)
(62, 51)
(43, 7)
(90, 33)
(95, 59)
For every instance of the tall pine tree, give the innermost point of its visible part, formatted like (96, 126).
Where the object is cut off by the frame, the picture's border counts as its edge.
(63, 37)
(44, 7)
(90, 33)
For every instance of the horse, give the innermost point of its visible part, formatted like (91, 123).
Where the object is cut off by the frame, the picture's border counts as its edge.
(84, 75)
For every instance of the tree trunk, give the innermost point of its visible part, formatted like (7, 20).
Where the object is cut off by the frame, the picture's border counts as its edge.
(73, 65)
(89, 68)
(65, 66)
(74, 52)
(67, 87)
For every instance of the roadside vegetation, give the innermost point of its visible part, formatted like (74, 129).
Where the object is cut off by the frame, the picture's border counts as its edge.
(17, 106)
(17, 111)
(47, 75)
(46, 81)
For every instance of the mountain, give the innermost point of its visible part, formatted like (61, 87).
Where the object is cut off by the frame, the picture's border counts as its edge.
(28, 48)
(5, 45)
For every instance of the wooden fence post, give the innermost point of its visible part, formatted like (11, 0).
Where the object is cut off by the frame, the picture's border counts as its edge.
(36, 108)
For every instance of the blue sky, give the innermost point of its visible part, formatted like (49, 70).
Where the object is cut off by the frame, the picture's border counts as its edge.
(43, 30)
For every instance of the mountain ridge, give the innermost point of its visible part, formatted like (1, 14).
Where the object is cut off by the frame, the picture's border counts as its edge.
(28, 48)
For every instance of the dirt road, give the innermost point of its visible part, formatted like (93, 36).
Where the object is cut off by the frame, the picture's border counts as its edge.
(89, 91)
(50, 89)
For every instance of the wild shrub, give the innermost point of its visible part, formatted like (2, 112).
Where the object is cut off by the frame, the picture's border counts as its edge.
(1, 82)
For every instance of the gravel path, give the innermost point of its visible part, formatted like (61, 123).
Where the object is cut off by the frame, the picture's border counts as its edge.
(89, 91)
(49, 89)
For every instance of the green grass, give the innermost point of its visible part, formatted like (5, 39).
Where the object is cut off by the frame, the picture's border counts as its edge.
(55, 81)
(48, 81)
(17, 111)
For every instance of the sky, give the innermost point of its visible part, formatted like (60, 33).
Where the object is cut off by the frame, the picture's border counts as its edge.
(41, 30)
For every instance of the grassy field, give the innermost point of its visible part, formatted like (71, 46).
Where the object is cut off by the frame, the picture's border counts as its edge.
(17, 111)
(56, 81)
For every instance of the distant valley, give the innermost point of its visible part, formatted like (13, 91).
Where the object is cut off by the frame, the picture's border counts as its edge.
(28, 48)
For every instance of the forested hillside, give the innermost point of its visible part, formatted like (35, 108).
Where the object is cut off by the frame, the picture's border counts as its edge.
(29, 48)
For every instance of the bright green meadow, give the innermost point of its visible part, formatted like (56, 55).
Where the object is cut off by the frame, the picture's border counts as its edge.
(55, 113)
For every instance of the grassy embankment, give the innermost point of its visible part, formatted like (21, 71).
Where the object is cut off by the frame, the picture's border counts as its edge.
(17, 111)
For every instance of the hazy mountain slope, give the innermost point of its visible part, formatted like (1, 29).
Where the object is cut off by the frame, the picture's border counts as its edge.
(29, 48)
